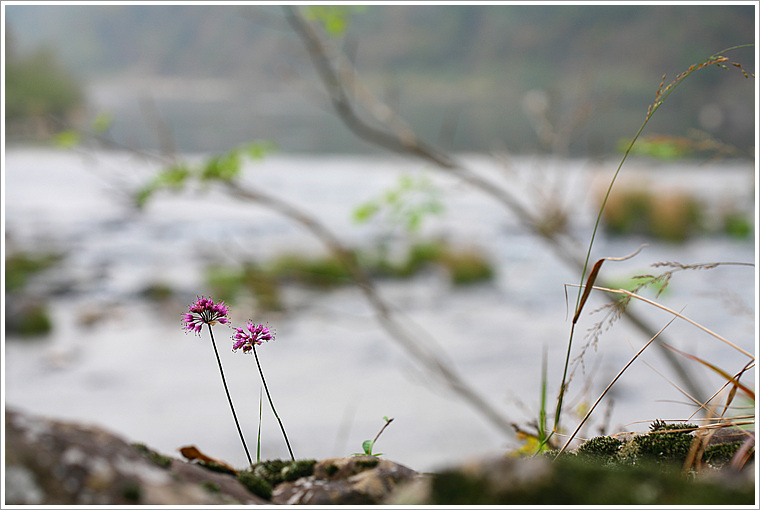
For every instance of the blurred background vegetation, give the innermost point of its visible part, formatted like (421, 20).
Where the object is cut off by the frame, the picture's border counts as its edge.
(469, 78)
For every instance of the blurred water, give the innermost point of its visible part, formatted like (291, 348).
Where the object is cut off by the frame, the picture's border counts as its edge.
(333, 371)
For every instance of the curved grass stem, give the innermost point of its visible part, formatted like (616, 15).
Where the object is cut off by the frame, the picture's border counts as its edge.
(660, 97)
(271, 403)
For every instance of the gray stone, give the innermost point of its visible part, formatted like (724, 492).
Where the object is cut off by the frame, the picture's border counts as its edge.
(60, 463)
(358, 480)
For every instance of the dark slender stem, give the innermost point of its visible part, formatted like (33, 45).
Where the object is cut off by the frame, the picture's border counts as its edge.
(271, 403)
(237, 424)
(387, 422)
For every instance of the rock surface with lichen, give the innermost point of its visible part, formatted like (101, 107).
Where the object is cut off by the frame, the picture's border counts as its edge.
(55, 462)
(60, 463)
(359, 480)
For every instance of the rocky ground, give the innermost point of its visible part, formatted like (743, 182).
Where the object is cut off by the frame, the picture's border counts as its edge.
(55, 462)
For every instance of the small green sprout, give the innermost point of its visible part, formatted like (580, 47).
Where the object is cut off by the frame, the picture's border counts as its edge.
(370, 443)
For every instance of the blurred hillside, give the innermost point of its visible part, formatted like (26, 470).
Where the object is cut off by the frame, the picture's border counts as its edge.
(568, 79)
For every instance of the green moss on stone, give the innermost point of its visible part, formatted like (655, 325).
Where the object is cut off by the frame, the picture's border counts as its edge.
(132, 492)
(331, 469)
(600, 448)
(665, 442)
(155, 457)
(255, 484)
(573, 481)
(298, 469)
(216, 467)
(719, 455)
(364, 464)
(210, 486)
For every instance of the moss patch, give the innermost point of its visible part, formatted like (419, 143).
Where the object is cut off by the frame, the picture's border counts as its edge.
(264, 476)
(665, 443)
(155, 457)
(572, 481)
(210, 486)
(255, 484)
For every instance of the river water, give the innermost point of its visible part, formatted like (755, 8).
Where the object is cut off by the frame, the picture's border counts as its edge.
(333, 371)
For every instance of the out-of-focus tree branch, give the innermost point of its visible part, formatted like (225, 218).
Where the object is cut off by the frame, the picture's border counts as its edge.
(385, 130)
(387, 317)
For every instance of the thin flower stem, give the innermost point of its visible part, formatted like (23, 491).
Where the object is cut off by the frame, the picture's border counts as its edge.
(237, 424)
(270, 401)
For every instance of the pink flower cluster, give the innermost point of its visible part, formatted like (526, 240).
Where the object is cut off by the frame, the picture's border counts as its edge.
(256, 334)
(204, 311)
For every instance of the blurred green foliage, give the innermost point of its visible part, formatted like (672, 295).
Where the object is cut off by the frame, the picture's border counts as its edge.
(37, 85)
(262, 281)
(406, 204)
(220, 167)
(661, 214)
(466, 68)
(20, 266)
(334, 18)
(28, 316)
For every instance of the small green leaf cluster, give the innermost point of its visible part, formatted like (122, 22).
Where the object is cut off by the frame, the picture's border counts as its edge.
(370, 443)
(333, 18)
(367, 447)
(221, 168)
(406, 204)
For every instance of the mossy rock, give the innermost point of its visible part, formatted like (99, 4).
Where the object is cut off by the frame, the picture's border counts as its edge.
(155, 457)
(264, 476)
(575, 481)
(602, 448)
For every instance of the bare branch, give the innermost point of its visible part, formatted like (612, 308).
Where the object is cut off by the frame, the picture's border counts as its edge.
(385, 314)
(404, 142)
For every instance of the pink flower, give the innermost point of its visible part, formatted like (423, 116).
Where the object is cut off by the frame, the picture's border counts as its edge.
(256, 334)
(204, 311)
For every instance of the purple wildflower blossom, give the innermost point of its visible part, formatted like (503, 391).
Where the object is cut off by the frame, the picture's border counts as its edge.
(204, 311)
(256, 334)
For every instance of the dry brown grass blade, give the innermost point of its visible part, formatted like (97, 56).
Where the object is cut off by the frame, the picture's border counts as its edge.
(673, 312)
(592, 278)
(743, 454)
(732, 393)
(718, 370)
(193, 453)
